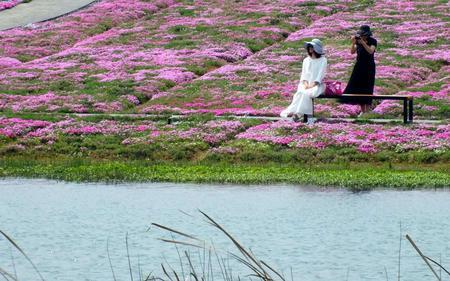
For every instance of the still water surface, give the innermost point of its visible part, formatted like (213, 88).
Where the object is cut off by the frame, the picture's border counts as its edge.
(321, 234)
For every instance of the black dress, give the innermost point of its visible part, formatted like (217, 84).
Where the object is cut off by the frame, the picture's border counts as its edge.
(362, 80)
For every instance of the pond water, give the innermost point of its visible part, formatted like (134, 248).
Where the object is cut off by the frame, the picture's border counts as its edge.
(320, 234)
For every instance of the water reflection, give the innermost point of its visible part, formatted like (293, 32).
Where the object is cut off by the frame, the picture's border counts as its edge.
(322, 234)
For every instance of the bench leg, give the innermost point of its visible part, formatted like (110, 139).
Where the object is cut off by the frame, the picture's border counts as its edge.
(405, 111)
(305, 118)
(411, 109)
(313, 107)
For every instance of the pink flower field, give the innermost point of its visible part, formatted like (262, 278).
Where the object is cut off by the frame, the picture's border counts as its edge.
(229, 135)
(8, 4)
(206, 59)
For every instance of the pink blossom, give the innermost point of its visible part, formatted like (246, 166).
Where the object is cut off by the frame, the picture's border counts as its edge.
(9, 4)
(6, 62)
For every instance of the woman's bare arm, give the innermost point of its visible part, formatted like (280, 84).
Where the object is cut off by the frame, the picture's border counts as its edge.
(311, 85)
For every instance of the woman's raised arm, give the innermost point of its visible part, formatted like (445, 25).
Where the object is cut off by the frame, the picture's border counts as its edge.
(353, 49)
(370, 49)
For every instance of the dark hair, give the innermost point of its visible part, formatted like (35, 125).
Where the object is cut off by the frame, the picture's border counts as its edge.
(317, 55)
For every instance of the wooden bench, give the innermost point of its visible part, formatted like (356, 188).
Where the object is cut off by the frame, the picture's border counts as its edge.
(407, 103)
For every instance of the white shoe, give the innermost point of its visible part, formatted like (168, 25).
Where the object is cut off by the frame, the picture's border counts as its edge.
(311, 121)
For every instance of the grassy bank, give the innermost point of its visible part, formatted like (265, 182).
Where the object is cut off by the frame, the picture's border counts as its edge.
(354, 177)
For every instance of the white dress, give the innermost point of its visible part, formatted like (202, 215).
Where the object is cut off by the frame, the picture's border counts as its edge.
(313, 70)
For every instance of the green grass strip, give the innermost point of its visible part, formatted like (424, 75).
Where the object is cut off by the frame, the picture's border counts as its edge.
(357, 179)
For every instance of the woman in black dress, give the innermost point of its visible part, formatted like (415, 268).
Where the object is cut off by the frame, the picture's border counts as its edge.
(362, 80)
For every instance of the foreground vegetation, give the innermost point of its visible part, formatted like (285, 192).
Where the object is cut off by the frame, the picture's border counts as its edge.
(200, 258)
(356, 177)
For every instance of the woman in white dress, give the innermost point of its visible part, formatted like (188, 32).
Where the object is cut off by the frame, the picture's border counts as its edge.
(311, 85)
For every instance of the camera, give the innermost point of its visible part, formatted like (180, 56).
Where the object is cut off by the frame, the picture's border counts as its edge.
(357, 36)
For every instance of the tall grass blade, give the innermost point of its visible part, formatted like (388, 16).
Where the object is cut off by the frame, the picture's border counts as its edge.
(399, 252)
(176, 275)
(220, 264)
(225, 269)
(204, 261)
(273, 270)
(128, 257)
(179, 242)
(209, 269)
(165, 272)
(422, 256)
(179, 258)
(175, 231)
(184, 213)
(237, 244)
(155, 279)
(13, 263)
(438, 264)
(440, 268)
(4, 276)
(149, 276)
(195, 276)
(188, 257)
(139, 268)
(109, 259)
(385, 271)
(23, 253)
(258, 273)
(8, 276)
